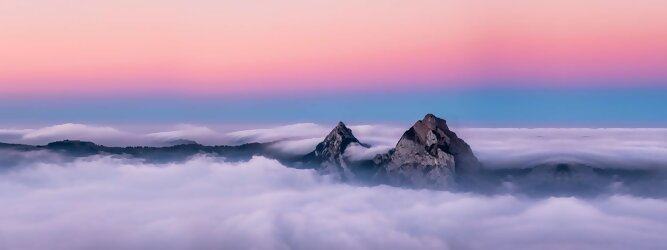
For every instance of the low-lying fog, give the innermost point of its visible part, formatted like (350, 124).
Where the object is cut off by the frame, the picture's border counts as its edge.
(111, 202)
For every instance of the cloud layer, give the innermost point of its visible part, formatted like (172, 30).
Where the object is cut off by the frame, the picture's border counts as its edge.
(106, 202)
(205, 203)
(296, 139)
(602, 147)
(495, 147)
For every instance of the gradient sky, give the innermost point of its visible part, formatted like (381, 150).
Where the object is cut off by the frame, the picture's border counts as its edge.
(59, 60)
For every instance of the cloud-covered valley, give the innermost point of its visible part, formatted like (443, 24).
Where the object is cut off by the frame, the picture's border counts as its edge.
(105, 202)
(206, 202)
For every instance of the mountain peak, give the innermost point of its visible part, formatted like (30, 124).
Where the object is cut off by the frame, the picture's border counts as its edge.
(429, 130)
(430, 115)
(433, 122)
(336, 142)
(328, 154)
(428, 155)
(341, 124)
(341, 131)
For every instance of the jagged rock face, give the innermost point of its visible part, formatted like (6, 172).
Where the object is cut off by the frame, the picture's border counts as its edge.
(428, 155)
(329, 153)
(335, 143)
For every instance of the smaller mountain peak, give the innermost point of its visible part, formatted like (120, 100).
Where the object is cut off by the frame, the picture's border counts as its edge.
(342, 131)
(334, 144)
(329, 154)
(341, 125)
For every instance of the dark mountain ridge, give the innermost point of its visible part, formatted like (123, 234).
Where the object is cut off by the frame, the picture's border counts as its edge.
(76, 148)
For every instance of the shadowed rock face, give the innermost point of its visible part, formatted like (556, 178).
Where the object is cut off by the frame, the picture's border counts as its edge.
(335, 143)
(428, 155)
(328, 154)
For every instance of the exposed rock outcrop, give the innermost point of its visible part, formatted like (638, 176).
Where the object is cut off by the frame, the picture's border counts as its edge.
(328, 155)
(428, 155)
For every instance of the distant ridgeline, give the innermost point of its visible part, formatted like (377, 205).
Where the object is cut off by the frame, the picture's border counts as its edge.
(428, 155)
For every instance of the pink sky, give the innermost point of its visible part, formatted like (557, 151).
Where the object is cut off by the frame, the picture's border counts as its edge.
(127, 46)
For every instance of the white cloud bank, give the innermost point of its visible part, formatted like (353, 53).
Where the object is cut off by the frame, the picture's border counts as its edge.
(204, 203)
(356, 152)
(603, 147)
(297, 147)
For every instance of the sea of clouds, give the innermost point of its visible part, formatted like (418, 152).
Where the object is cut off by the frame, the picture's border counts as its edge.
(105, 202)
(111, 202)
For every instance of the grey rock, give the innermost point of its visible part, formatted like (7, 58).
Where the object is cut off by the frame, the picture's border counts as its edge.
(428, 155)
(328, 155)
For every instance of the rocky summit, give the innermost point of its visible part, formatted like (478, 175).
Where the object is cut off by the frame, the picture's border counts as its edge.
(328, 155)
(428, 155)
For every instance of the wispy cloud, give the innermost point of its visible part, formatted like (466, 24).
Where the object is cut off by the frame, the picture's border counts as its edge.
(602, 147)
(199, 134)
(73, 131)
(287, 132)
